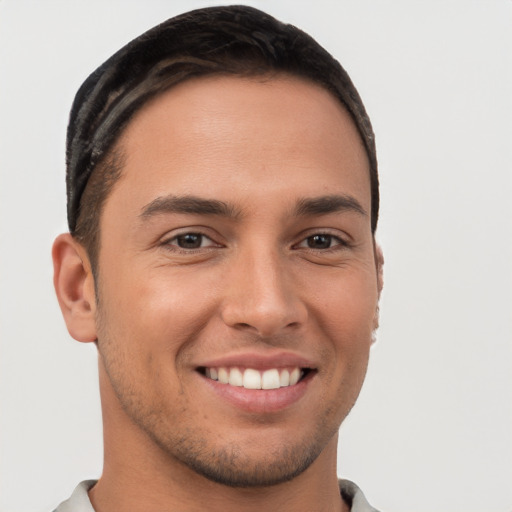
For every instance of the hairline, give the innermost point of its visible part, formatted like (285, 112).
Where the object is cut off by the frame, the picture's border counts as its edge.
(115, 156)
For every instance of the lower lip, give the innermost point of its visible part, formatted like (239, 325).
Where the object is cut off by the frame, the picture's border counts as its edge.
(260, 400)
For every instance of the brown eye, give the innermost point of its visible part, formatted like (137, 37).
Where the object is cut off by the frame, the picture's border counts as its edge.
(319, 241)
(189, 240)
(322, 242)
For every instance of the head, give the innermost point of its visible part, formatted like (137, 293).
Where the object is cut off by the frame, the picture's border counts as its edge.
(223, 200)
(231, 41)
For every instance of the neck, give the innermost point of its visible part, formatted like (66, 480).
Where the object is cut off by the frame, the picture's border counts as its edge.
(138, 476)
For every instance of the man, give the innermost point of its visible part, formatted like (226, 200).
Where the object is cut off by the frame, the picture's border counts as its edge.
(222, 204)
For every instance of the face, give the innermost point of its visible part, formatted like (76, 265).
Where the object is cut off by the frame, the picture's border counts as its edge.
(236, 254)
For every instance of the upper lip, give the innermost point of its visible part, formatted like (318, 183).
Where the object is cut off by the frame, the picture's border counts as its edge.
(259, 361)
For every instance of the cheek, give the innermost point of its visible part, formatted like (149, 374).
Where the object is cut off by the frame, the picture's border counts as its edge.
(346, 304)
(153, 311)
(345, 313)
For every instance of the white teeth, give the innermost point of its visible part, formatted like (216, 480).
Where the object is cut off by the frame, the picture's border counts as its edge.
(252, 379)
(270, 379)
(235, 377)
(294, 376)
(255, 379)
(223, 376)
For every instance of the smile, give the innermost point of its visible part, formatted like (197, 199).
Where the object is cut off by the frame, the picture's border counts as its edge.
(250, 378)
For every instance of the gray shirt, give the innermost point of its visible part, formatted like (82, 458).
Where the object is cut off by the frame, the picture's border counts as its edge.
(79, 500)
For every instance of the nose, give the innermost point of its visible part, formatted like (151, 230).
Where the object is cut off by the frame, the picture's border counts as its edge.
(261, 296)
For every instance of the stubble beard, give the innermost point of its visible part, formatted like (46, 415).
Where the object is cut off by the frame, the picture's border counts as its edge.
(202, 450)
(225, 463)
(232, 467)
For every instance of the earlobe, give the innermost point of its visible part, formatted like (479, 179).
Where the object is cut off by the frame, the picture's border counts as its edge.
(74, 285)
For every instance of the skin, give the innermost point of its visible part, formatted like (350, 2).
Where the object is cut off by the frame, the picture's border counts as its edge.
(259, 283)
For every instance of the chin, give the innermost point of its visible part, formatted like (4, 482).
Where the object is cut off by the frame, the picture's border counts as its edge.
(234, 467)
(265, 457)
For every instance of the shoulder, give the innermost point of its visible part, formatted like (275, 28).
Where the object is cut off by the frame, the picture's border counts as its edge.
(355, 498)
(79, 500)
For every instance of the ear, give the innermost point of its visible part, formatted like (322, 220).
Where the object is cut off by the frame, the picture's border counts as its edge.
(379, 265)
(74, 285)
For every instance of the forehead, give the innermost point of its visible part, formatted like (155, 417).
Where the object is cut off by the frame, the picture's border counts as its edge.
(221, 134)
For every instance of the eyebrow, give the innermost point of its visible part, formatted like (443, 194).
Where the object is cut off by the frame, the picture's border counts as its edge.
(188, 205)
(324, 205)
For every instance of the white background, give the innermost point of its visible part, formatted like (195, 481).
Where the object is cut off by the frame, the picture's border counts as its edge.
(432, 431)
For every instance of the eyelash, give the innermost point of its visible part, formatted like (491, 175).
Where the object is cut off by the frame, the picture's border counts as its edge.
(198, 234)
(339, 243)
